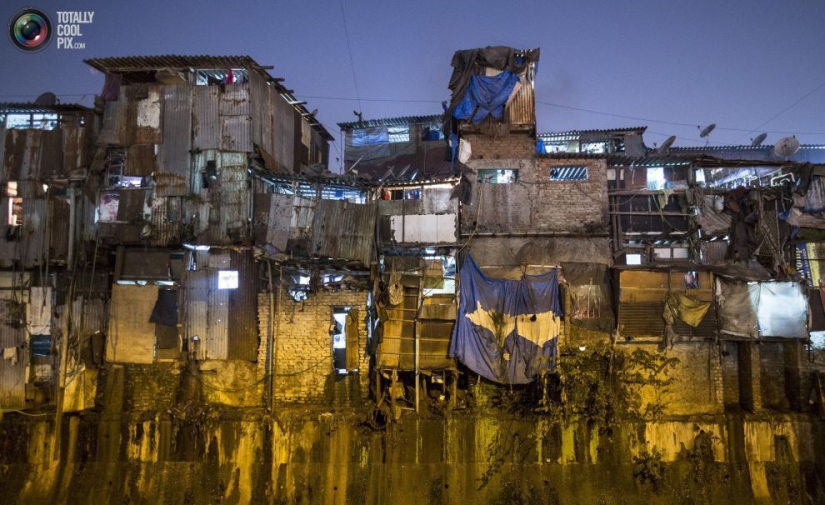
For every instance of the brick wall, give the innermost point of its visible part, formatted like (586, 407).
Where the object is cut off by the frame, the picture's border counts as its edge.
(730, 375)
(697, 385)
(152, 388)
(535, 204)
(303, 354)
(772, 373)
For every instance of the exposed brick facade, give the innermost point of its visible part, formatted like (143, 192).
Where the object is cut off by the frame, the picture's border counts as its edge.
(303, 354)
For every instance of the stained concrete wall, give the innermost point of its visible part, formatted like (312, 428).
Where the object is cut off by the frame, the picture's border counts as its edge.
(300, 457)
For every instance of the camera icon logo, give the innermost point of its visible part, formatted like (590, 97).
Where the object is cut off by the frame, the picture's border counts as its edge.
(30, 30)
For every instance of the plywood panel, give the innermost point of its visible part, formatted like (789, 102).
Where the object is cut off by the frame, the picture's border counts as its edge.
(131, 337)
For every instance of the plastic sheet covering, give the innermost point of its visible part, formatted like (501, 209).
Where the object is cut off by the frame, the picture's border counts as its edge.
(782, 310)
(713, 222)
(690, 311)
(764, 309)
(589, 288)
(507, 331)
(367, 144)
(486, 96)
(737, 312)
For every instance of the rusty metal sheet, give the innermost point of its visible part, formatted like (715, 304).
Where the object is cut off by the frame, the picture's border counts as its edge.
(262, 203)
(283, 147)
(2, 148)
(344, 231)
(115, 118)
(521, 110)
(90, 315)
(219, 259)
(143, 264)
(51, 154)
(236, 133)
(59, 228)
(131, 208)
(280, 219)
(140, 160)
(15, 359)
(30, 165)
(167, 218)
(217, 332)
(171, 185)
(15, 147)
(206, 126)
(35, 233)
(234, 101)
(261, 115)
(303, 218)
(88, 217)
(243, 308)
(174, 151)
(71, 136)
(148, 100)
(714, 253)
(228, 208)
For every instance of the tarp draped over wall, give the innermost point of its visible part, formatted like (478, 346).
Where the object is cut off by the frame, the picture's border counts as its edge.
(507, 331)
(764, 309)
(486, 96)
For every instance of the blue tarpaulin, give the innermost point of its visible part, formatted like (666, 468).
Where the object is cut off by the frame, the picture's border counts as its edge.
(487, 96)
(507, 330)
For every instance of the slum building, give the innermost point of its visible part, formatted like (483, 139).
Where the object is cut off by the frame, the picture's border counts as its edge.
(471, 310)
(45, 149)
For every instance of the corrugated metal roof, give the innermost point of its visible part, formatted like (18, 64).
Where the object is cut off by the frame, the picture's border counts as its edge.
(392, 121)
(30, 107)
(575, 134)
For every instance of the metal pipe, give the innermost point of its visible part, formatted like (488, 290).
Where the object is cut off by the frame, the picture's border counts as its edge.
(72, 227)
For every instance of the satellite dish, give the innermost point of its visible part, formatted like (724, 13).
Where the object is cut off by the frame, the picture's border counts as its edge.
(709, 128)
(786, 147)
(47, 99)
(666, 145)
(759, 139)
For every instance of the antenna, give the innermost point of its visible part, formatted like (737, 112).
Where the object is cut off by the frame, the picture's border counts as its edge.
(709, 128)
(759, 139)
(666, 145)
(46, 99)
(786, 147)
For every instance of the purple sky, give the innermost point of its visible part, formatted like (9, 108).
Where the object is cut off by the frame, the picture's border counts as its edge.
(744, 65)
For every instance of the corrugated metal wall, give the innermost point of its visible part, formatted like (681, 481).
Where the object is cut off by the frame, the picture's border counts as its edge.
(174, 151)
(243, 308)
(206, 127)
(12, 371)
(522, 110)
(344, 231)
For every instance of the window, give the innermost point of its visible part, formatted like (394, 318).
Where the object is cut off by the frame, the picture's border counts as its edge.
(339, 331)
(498, 176)
(15, 210)
(114, 172)
(570, 173)
(655, 178)
(227, 279)
(26, 121)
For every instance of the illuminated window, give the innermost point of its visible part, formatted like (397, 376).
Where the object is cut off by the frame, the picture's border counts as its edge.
(570, 173)
(655, 178)
(227, 279)
(15, 210)
(498, 176)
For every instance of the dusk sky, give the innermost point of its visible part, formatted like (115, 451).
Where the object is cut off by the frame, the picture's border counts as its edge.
(748, 66)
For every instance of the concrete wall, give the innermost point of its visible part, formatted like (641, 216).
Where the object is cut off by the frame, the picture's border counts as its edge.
(328, 458)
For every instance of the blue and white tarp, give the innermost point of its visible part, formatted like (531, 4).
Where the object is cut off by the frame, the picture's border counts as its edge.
(507, 331)
(486, 96)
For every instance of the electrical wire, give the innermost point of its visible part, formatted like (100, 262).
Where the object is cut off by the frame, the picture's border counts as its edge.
(351, 60)
(786, 109)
